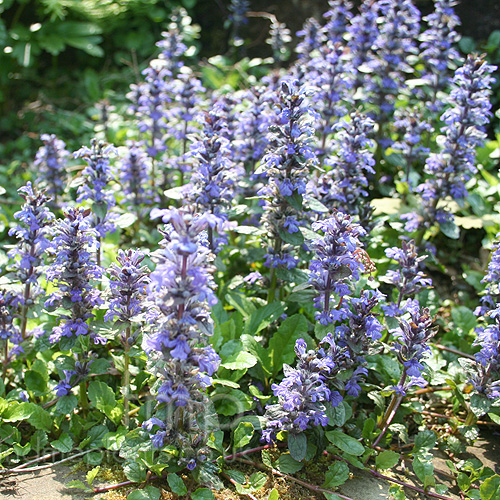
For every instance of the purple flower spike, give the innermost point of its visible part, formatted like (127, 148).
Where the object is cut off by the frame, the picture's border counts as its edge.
(450, 169)
(50, 161)
(181, 292)
(73, 272)
(336, 262)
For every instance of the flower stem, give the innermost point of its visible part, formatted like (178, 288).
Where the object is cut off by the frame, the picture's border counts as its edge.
(126, 383)
(84, 402)
(391, 411)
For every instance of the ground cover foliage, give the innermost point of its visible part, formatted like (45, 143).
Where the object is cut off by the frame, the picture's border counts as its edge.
(291, 266)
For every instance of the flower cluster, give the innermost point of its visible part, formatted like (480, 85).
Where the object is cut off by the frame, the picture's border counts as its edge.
(411, 126)
(50, 161)
(362, 328)
(149, 104)
(9, 332)
(251, 134)
(313, 39)
(97, 176)
(287, 164)
(279, 38)
(344, 186)
(214, 179)
(182, 291)
(331, 74)
(437, 48)
(338, 16)
(305, 392)
(32, 232)
(362, 32)
(485, 375)
(73, 271)
(336, 263)
(491, 298)
(128, 281)
(135, 176)
(238, 17)
(408, 279)
(399, 25)
(73, 377)
(172, 43)
(411, 348)
(451, 168)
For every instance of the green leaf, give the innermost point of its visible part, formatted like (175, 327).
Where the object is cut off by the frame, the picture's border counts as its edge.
(295, 239)
(21, 451)
(77, 484)
(397, 492)
(346, 443)
(40, 367)
(316, 206)
(479, 404)
(231, 402)
(274, 495)
(135, 472)
(262, 354)
(239, 361)
(35, 383)
(202, 494)
(464, 318)
(64, 444)
(237, 476)
(387, 459)
(450, 229)
(126, 220)
(103, 398)
(424, 441)
(295, 200)
(216, 441)
(424, 469)
(494, 417)
(287, 464)
(40, 419)
(297, 445)
(257, 480)
(331, 496)
(368, 428)
(263, 317)
(336, 415)
(337, 474)
(18, 411)
(243, 434)
(240, 303)
(490, 488)
(91, 474)
(176, 484)
(463, 481)
(148, 493)
(66, 404)
(282, 343)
